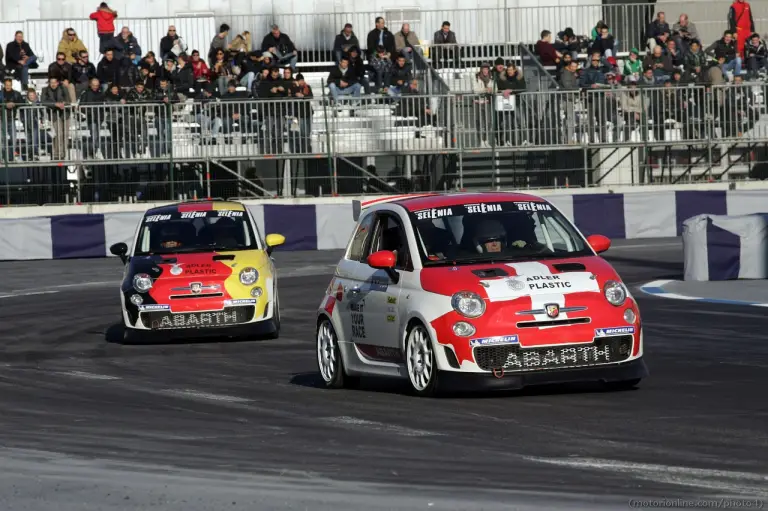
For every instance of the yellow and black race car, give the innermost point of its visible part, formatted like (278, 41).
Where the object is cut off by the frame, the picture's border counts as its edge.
(199, 268)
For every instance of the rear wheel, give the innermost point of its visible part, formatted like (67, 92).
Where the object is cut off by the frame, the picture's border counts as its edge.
(329, 361)
(420, 359)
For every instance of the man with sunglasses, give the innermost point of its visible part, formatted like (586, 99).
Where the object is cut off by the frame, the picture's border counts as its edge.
(71, 45)
(63, 72)
(82, 72)
(172, 45)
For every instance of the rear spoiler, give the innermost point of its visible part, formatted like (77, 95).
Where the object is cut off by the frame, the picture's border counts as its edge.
(358, 206)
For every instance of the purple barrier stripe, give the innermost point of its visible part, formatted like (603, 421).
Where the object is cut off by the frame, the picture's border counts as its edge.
(77, 236)
(600, 214)
(723, 253)
(691, 203)
(296, 223)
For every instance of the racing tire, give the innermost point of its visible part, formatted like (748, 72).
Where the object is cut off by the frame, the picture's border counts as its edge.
(622, 384)
(330, 364)
(420, 361)
(275, 321)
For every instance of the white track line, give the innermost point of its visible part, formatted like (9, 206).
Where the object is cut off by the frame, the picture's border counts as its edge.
(194, 394)
(378, 426)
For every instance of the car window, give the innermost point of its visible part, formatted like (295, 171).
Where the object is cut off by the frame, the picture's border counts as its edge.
(355, 251)
(195, 231)
(390, 235)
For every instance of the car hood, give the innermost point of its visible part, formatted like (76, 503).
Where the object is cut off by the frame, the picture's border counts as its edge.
(507, 281)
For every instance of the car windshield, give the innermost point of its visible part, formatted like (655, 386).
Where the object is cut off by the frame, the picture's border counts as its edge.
(486, 232)
(195, 231)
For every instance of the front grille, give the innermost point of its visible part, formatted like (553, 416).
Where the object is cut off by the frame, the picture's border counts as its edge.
(553, 322)
(163, 320)
(202, 295)
(512, 357)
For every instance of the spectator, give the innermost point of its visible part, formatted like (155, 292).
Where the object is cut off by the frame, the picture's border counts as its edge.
(172, 45)
(755, 53)
(301, 142)
(272, 87)
(250, 70)
(633, 66)
(219, 43)
(222, 71)
(183, 79)
(684, 32)
(241, 43)
(19, 59)
(445, 51)
(70, 45)
(105, 25)
(169, 66)
(660, 63)
(563, 65)
(342, 81)
(677, 78)
(281, 46)
(648, 79)
(661, 40)
(137, 126)
(344, 40)
(205, 115)
(604, 44)
(406, 42)
(381, 64)
(55, 98)
(568, 43)
(357, 66)
(741, 24)
(31, 118)
(633, 110)
(483, 88)
(108, 70)
(499, 69)
(127, 74)
(94, 115)
(400, 77)
(124, 43)
(12, 101)
(724, 51)
(166, 96)
(513, 83)
(63, 72)
(569, 81)
(655, 29)
(675, 55)
(117, 123)
(695, 63)
(593, 76)
(82, 72)
(235, 110)
(380, 36)
(200, 69)
(546, 51)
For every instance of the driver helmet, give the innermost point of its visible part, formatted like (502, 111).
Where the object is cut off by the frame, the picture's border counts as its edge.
(489, 236)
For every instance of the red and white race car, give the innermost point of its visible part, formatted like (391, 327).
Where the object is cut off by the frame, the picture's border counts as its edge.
(476, 290)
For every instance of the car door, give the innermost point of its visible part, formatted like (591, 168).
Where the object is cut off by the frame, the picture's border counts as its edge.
(380, 311)
(345, 285)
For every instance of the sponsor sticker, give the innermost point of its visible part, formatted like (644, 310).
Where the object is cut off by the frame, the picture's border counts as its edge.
(242, 301)
(533, 206)
(157, 218)
(431, 214)
(488, 341)
(619, 330)
(194, 214)
(154, 307)
(229, 213)
(482, 208)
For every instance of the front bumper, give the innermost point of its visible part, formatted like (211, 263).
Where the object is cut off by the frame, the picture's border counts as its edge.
(630, 370)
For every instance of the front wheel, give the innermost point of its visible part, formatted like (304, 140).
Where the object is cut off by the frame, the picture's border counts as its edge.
(275, 321)
(420, 358)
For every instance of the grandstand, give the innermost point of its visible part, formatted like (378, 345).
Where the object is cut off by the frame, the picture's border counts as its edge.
(449, 135)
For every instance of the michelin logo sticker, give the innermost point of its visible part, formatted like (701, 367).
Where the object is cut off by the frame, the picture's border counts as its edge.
(619, 330)
(154, 307)
(488, 341)
(243, 301)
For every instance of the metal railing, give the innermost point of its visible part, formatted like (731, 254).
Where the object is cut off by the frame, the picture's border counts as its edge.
(605, 135)
(314, 33)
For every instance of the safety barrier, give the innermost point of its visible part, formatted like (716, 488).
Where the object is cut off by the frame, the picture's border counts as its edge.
(328, 226)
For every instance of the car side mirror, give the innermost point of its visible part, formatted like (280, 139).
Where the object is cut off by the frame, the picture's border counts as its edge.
(599, 243)
(120, 250)
(385, 260)
(272, 241)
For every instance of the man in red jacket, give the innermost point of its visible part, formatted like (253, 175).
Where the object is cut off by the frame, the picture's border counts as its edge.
(741, 23)
(546, 51)
(105, 25)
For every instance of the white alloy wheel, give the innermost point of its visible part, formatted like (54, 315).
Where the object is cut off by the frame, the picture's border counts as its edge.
(420, 357)
(327, 351)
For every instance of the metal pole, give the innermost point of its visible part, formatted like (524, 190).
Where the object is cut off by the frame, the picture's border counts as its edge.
(5, 163)
(208, 177)
(331, 161)
(169, 134)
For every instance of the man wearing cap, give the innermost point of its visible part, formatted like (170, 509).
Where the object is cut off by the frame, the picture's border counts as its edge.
(281, 46)
(345, 40)
(446, 51)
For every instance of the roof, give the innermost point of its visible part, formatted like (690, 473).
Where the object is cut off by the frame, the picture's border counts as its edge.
(203, 205)
(456, 199)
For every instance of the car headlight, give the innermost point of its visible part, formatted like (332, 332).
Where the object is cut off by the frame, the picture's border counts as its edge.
(615, 293)
(142, 282)
(249, 276)
(468, 304)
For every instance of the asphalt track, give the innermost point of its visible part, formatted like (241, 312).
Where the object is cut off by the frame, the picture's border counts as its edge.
(87, 423)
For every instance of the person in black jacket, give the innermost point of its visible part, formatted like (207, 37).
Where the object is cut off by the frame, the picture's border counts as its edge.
(235, 108)
(150, 71)
(125, 42)
(63, 72)
(445, 51)
(342, 81)
(172, 46)
(108, 70)
(724, 50)
(399, 78)
(19, 58)
(300, 142)
(166, 96)
(755, 53)
(344, 42)
(183, 79)
(94, 115)
(272, 110)
(357, 65)
(138, 97)
(55, 98)
(380, 36)
(128, 73)
(11, 101)
(82, 72)
(116, 122)
(281, 46)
